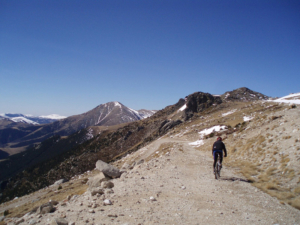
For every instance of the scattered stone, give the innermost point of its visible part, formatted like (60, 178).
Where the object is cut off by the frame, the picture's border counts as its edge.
(45, 208)
(140, 162)
(19, 221)
(108, 169)
(115, 216)
(59, 221)
(107, 184)
(32, 222)
(91, 211)
(152, 199)
(2, 218)
(107, 202)
(96, 181)
(96, 191)
(54, 202)
(109, 191)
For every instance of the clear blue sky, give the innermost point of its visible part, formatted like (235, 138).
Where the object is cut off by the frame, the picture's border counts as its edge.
(67, 57)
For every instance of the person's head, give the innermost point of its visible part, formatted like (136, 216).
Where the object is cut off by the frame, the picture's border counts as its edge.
(219, 139)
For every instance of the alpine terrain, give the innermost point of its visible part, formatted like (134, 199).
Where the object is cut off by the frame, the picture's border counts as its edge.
(17, 131)
(159, 170)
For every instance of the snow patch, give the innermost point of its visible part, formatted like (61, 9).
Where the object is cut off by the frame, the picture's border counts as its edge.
(23, 120)
(212, 129)
(247, 118)
(230, 112)
(197, 143)
(117, 104)
(182, 108)
(289, 99)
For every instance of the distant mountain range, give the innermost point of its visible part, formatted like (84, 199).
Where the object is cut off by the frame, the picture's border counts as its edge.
(17, 131)
(29, 119)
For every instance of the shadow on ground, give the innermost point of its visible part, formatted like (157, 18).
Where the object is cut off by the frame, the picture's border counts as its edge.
(235, 179)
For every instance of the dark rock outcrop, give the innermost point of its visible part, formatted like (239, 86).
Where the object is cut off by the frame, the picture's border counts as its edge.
(243, 95)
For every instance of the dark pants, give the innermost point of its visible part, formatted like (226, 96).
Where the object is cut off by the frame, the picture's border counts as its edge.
(218, 153)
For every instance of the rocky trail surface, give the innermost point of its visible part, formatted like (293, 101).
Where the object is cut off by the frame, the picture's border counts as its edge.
(171, 183)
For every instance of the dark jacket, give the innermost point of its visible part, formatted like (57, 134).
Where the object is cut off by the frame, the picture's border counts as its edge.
(219, 145)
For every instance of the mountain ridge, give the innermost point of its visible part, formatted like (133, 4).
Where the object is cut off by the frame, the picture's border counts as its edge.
(18, 135)
(113, 144)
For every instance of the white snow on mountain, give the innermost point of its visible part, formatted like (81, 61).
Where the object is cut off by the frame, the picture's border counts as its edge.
(212, 129)
(135, 112)
(143, 114)
(289, 99)
(182, 108)
(53, 117)
(30, 119)
(228, 113)
(23, 120)
(207, 131)
(197, 143)
(118, 104)
(247, 118)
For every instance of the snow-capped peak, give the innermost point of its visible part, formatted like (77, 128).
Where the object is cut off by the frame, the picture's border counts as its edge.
(23, 120)
(117, 104)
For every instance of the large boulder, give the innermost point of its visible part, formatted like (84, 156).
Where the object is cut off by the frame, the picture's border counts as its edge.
(108, 169)
(96, 181)
(46, 208)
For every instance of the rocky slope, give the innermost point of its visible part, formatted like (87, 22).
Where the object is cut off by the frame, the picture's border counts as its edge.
(169, 182)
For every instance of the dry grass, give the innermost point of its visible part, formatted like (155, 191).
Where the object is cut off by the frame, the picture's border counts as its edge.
(286, 137)
(271, 186)
(297, 190)
(295, 203)
(162, 150)
(68, 189)
(261, 139)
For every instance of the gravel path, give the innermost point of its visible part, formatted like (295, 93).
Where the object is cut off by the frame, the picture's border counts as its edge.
(177, 187)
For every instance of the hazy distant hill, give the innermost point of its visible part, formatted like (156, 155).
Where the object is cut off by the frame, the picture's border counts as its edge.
(18, 135)
(29, 119)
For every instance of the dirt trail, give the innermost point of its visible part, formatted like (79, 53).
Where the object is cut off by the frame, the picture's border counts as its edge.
(185, 191)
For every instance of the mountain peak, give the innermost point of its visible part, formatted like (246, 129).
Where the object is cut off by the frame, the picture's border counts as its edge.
(243, 94)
